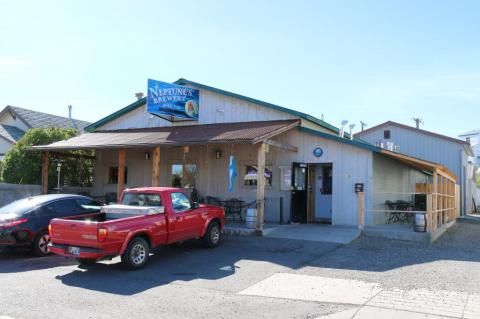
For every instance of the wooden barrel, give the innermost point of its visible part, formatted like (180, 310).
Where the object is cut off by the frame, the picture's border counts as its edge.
(251, 218)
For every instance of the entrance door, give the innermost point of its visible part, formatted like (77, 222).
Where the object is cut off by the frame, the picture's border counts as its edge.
(323, 196)
(299, 199)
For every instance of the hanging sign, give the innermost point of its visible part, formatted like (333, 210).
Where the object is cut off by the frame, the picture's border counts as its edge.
(172, 102)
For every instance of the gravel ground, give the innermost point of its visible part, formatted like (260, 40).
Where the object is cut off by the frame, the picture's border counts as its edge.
(451, 263)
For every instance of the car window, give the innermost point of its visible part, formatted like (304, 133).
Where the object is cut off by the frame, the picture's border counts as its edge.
(64, 207)
(141, 199)
(88, 205)
(180, 202)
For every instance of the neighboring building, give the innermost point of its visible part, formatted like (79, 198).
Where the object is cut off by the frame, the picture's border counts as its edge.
(474, 138)
(453, 153)
(15, 121)
(309, 168)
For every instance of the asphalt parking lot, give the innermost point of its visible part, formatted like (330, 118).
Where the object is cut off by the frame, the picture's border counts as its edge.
(189, 281)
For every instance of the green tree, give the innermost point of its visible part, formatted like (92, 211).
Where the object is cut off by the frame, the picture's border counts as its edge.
(21, 166)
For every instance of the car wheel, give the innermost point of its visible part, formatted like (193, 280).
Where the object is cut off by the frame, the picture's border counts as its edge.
(213, 235)
(86, 261)
(40, 244)
(137, 253)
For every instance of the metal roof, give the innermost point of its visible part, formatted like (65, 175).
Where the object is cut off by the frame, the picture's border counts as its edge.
(35, 119)
(410, 128)
(239, 132)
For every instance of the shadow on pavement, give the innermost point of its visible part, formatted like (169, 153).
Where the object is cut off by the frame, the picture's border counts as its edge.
(191, 261)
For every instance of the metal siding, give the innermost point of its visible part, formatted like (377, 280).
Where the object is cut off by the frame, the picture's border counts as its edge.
(350, 165)
(430, 148)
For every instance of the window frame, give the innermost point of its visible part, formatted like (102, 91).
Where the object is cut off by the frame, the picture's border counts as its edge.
(183, 164)
(387, 134)
(111, 182)
(245, 164)
(183, 210)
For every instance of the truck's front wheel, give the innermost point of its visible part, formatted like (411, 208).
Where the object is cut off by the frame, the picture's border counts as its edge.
(212, 235)
(137, 253)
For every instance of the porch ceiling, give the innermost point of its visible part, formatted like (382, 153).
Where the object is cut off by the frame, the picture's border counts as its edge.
(420, 164)
(241, 132)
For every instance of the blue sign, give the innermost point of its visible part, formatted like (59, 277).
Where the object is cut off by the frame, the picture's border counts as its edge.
(318, 152)
(172, 101)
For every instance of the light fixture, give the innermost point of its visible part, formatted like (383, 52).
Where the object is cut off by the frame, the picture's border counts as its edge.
(218, 154)
(146, 155)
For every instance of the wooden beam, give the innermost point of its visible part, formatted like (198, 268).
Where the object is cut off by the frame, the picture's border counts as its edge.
(361, 210)
(429, 213)
(260, 187)
(156, 167)
(121, 171)
(45, 164)
(281, 145)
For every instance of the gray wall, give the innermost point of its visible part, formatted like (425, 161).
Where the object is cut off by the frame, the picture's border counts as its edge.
(392, 180)
(350, 165)
(450, 154)
(12, 192)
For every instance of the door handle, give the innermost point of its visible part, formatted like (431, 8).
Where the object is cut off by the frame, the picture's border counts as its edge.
(178, 218)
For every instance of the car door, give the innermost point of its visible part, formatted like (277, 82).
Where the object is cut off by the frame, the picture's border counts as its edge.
(186, 222)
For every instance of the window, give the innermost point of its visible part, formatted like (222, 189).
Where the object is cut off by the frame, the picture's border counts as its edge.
(184, 175)
(250, 175)
(386, 134)
(141, 199)
(180, 202)
(113, 175)
(65, 207)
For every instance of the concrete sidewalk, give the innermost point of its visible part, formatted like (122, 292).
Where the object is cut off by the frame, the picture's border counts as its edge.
(309, 232)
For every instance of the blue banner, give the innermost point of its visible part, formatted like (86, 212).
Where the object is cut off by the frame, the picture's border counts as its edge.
(172, 101)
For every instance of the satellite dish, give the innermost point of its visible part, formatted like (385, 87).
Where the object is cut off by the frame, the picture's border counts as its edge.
(344, 122)
(351, 126)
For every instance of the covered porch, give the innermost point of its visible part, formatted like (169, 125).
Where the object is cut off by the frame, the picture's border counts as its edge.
(196, 158)
(420, 206)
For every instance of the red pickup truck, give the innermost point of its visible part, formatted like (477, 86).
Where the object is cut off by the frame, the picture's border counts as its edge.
(145, 218)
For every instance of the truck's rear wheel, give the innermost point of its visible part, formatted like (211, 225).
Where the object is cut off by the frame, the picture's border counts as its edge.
(86, 261)
(213, 235)
(137, 253)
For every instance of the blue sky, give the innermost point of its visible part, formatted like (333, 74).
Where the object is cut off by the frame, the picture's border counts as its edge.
(355, 60)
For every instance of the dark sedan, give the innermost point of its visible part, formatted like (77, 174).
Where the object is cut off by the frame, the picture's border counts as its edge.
(24, 223)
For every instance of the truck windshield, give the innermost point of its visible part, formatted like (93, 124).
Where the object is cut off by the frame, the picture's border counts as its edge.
(141, 199)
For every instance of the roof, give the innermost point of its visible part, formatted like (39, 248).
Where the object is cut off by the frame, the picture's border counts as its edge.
(35, 119)
(181, 81)
(240, 132)
(469, 133)
(11, 133)
(410, 128)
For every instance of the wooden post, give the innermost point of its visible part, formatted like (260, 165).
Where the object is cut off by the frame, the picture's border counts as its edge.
(45, 164)
(260, 186)
(121, 172)
(435, 200)
(156, 167)
(361, 210)
(429, 213)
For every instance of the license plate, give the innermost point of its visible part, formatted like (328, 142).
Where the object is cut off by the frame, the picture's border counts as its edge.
(74, 250)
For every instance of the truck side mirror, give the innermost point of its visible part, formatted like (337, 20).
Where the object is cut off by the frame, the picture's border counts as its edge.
(194, 205)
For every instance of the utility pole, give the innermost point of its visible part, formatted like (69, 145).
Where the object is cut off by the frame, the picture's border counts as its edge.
(363, 124)
(417, 121)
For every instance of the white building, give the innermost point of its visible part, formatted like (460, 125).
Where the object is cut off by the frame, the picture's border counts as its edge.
(15, 121)
(308, 167)
(456, 155)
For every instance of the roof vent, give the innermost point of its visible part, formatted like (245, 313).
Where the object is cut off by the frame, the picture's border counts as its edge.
(139, 95)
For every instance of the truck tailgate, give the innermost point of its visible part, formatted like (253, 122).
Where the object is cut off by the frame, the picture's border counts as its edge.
(74, 232)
